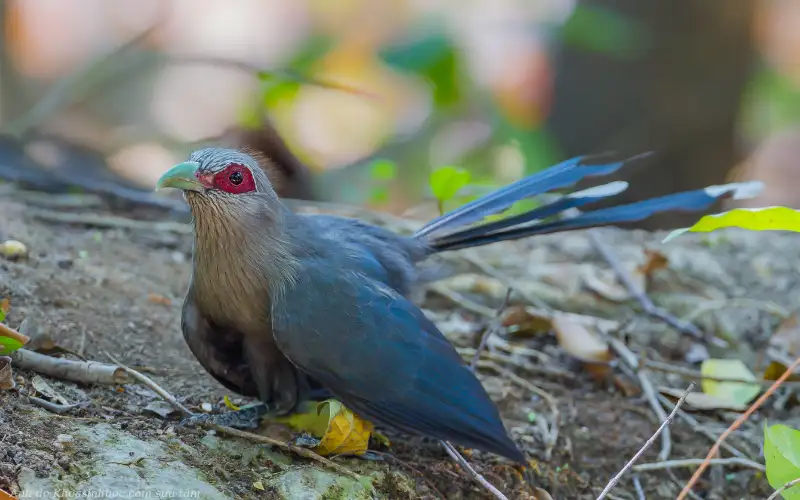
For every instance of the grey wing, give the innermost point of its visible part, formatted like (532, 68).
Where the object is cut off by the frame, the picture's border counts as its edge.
(383, 358)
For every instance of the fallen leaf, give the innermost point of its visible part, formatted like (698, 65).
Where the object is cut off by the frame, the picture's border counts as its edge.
(540, 494)
(787, 337)
(341, 431)
(6, 375)
(781, 445)
(6, 496)
(580, 342)
(655, 262)
(159, 299)
(735, 392)
(160, 408)
(521, 323)
(258, 485)
(229, 403)
(700, 401)
(44, 389)
(604, 282)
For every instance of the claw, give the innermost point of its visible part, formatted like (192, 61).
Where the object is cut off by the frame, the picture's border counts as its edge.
(248, 417)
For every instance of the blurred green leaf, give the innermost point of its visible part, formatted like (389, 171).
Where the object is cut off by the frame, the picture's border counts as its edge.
(782, 457)
(383, 170)
(603, 30)
(447, 181)
(771, 103)
(433, 57)
(8, 345)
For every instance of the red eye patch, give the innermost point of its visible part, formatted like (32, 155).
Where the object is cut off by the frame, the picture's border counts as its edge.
(235, 179)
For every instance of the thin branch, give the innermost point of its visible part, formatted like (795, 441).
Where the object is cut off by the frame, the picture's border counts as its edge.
(735, 425)
(647, 445)
(455, 455)
(783, 488)
(691, 462)
(495, 326)
(649, 390)
(147, 381)
(647, 305)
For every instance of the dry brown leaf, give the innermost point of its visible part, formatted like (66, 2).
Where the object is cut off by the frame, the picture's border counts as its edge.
(787, 337)
(525, 324)
(540, 494)
(44, 389)
(6, 375)
(604, 282)
(565, 276)
(580, 341)
(159, 299)
(655, 262)
(701, 401)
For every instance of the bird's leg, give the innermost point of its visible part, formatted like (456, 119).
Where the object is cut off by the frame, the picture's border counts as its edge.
(246, 417)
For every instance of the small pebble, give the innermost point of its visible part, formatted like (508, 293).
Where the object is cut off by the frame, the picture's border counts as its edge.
(206, 407)
(13, 250)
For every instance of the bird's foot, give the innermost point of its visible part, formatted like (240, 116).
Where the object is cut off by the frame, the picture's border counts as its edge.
(247, 417)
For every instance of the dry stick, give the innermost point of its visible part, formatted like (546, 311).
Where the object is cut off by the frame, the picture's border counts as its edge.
(647, 305)
(495, 326)
(783, 488)
(637, 485)
(647, 445)
(169, 398)
(455, 455)
(691, 462)
(649, 391)
(735, 425)
(87, 372)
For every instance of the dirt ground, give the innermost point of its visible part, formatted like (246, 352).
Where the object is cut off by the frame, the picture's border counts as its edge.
(96, 289)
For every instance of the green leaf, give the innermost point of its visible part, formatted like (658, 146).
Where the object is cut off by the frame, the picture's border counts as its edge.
(447, 181)
(603, 30)
(752, 219)
(383, 170)
(782, 456)
(9, 345)
(735, 392)
(433, 57)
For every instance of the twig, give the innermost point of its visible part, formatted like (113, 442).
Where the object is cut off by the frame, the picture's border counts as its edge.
(87, 372)
(735, 425)
(637, 485)
(7, 331)
(691, 462)
(647, 305)
(647, 445)
(494, 326)
(455, 455)
(108, 221)
(783, 488)
(56, 408)
(297, 450)
(697, 427)
(169, 398)
(461, 301)
(148, 382)
(696, 374)
(552, 437)
(649, 391)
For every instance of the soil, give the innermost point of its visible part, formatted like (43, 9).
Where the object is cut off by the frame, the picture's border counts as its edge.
(98, 290)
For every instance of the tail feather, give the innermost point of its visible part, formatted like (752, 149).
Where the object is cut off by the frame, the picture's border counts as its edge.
(565, 174)
(688, 201)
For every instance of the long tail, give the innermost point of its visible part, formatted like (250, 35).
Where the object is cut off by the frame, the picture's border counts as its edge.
(456, 230)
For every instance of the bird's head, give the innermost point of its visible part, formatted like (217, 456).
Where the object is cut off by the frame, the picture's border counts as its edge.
(217, 174)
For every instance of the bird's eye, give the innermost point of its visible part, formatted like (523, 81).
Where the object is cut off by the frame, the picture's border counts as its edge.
(236, 178)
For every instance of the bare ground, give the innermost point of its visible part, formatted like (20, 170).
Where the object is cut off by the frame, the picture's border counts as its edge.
(98, 290)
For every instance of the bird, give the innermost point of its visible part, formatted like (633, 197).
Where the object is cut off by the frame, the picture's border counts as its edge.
(285, 307)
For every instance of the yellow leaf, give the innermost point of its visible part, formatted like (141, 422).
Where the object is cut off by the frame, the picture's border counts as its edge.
(258, 485)
(734, 391)
(229, 403)
(340, 430)
(753, 219)
(346, 433)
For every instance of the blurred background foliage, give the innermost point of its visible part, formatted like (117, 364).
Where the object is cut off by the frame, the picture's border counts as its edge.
(374, 95)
